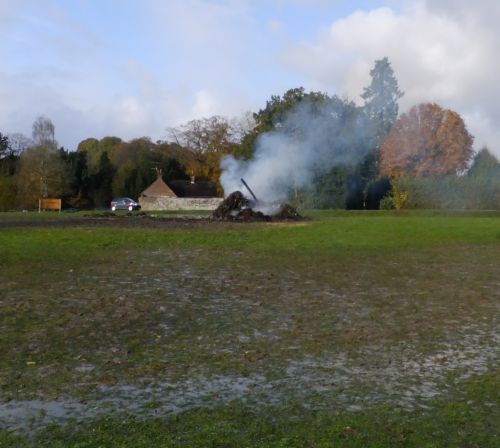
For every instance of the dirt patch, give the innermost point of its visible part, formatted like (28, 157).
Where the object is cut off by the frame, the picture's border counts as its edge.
(235, 209)
(112, 220)
(102, 215)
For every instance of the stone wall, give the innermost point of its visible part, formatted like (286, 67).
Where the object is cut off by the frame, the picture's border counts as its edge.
(165, 203)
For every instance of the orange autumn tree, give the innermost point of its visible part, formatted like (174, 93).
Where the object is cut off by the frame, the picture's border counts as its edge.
(426, 141)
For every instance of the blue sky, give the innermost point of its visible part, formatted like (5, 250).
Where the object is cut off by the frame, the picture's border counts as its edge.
(133, 68)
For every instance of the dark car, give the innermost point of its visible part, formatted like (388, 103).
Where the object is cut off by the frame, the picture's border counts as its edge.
(124, 204)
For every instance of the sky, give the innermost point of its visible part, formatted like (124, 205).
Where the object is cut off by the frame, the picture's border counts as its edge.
(134, 68)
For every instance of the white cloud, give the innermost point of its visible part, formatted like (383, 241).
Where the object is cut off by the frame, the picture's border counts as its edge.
(158, 63)
(170, 62)
(205, 104)
(130, 113)
(442, 51)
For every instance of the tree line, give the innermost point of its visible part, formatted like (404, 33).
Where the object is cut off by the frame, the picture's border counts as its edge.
(423, 158)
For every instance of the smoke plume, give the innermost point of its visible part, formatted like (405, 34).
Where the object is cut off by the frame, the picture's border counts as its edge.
(311, 140)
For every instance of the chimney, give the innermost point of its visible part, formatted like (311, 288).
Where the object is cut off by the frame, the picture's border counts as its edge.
(192, 179)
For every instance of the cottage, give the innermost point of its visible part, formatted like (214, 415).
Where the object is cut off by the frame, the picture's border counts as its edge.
(179, 195)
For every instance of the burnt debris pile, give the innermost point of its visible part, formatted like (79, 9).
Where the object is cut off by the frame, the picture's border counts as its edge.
(236, 207)
(232, 205)
(287, 212)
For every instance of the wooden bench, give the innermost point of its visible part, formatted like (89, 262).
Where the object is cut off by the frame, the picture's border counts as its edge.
(49, 204)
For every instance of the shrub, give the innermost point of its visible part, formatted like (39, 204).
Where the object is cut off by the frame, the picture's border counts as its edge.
(387, 203)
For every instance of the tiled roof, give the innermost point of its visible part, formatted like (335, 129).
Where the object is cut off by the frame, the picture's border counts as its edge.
(159, 189)
(186, 189)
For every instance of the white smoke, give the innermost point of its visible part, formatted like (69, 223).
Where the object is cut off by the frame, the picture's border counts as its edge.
(310, 141)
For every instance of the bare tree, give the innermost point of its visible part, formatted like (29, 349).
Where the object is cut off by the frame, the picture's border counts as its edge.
(41, 171)
(242, 125)
(205, 135)
(44, 133)
(19, 143)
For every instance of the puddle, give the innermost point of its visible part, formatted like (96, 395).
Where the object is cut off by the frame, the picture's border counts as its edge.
(84, 368)
(35, 414)
(235, 310)
(334, 381)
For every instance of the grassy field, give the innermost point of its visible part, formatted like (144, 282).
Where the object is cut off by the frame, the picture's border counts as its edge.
(351, 329)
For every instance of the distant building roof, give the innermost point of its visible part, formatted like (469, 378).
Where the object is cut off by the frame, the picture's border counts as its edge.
(187, 189)
(158, 189)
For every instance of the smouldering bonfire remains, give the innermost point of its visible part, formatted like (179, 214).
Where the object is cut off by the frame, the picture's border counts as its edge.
(236, 207)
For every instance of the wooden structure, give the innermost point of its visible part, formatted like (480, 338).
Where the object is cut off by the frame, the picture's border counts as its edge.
(49, 204)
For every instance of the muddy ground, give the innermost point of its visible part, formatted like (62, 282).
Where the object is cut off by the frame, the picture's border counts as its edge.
(161, 331)
(113, 220)
(136, 221)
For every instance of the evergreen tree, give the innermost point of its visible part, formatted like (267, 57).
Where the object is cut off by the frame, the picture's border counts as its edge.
(8, 158)
(8, 162)
(102, 181)
(80, 179)
(485, 165)
(381, 99)
(381, 111)
(4, 145)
